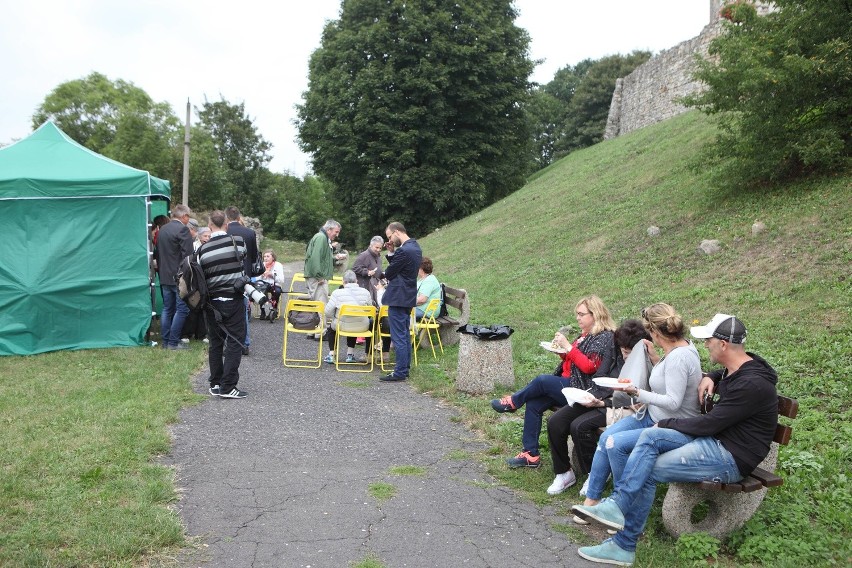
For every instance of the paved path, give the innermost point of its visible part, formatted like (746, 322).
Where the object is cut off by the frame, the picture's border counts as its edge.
(283, 477)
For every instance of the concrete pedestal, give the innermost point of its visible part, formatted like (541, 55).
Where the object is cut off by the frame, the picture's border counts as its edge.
(484, 364)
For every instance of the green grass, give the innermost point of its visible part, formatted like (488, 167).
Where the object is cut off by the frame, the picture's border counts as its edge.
(381, 491)
(285, 251)
(407, 470)
(80, 486)
(580, 227)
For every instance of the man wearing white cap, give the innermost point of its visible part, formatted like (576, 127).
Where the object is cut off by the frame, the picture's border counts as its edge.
(725, 444)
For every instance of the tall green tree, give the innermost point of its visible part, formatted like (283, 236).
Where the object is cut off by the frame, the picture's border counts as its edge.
(548, 109)
(304, 205)
(116, 119)
(589, 106)
(243, 154)
(415, 110)
(782, 87)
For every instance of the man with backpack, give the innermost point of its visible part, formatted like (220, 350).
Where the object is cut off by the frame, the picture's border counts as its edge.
(221, 260)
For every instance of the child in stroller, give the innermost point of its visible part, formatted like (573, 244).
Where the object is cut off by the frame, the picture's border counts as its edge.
(270, 283)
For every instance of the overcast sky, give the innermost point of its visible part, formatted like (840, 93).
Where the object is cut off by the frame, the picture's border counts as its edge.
(257, 51)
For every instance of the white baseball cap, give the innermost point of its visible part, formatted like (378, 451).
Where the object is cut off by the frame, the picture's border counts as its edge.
(722, 326)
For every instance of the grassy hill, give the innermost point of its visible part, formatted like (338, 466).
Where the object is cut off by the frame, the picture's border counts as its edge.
(580, 227)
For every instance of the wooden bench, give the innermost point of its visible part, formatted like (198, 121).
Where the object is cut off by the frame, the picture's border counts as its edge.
(457, 299)
(730, 505)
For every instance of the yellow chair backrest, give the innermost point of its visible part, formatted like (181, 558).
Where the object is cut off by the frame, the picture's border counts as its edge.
(298, 277)
(352, 310)
(431, 310)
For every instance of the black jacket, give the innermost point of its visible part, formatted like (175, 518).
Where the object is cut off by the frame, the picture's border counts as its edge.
(250, 240)
(174, 243)
(745, 417)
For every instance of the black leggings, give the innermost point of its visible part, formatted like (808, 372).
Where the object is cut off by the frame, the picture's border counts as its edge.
(582, 425)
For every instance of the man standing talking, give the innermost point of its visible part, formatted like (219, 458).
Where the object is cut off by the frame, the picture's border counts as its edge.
(400, 296)
(250, 239)
(174, 243)
(319, 262)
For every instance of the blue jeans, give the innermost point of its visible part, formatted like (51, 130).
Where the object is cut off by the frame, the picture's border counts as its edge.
(400, 326)
(611, 455)
(173, 315)
(663, 455)
(541, 393)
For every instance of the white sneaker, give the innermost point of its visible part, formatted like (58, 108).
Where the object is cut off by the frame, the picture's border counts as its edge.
(561, 482)
(184, 340)
(580, 520)
(585, 488)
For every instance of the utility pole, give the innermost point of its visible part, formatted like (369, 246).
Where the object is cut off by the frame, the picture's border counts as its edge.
(186, 158)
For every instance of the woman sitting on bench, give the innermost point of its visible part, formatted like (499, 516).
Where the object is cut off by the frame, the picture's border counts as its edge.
(673, 394)
(582, 420)
(587, 356)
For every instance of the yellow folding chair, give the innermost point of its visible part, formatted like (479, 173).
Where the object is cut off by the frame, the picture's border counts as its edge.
(428, 324)
(336, 281)
(383, 313)
(293, 294)
(304, 306)
(353, 311)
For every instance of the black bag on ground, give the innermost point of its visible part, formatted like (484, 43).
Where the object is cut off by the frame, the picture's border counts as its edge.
(487, 332)
(304, 320)
(192, 286)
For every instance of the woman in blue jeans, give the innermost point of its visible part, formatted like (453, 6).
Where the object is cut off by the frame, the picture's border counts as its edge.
(590, 355)
(673, 394)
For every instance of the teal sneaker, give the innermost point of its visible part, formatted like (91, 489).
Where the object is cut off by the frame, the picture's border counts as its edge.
(606, 513)
(608, 552)
(329, 359)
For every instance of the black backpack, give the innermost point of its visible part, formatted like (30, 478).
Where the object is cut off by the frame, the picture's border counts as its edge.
(192, 285)
(442, 313)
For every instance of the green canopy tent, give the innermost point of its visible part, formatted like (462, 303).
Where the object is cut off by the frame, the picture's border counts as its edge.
(74, 265)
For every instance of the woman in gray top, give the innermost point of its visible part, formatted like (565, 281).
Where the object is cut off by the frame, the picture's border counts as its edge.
(673, 394)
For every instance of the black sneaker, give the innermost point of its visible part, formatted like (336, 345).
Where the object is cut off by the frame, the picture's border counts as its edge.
(245, 351)
(236, 393)
(392, 378)
(214, 390)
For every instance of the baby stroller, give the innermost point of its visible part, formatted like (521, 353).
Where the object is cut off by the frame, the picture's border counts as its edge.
(268, 311)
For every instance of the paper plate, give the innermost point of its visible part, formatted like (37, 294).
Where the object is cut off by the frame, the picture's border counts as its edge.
(549, 346)
(611, 383)
(573, 395)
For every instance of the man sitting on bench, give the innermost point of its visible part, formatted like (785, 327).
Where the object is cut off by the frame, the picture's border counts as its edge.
(725, 444)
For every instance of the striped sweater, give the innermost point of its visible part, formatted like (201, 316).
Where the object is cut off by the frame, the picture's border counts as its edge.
(222, 265)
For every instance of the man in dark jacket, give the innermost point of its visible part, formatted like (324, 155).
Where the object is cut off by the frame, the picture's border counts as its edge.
(174, 243)
(400, 295)
(726, 444)
(250, 240)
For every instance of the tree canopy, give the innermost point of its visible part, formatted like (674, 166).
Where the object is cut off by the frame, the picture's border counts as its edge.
(782, 87)
(116, 119)
(415, 110)
(570, 112)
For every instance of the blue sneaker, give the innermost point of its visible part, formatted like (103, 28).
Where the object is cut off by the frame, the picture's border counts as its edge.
(329, 359)
(606, 513)
(608, 552)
